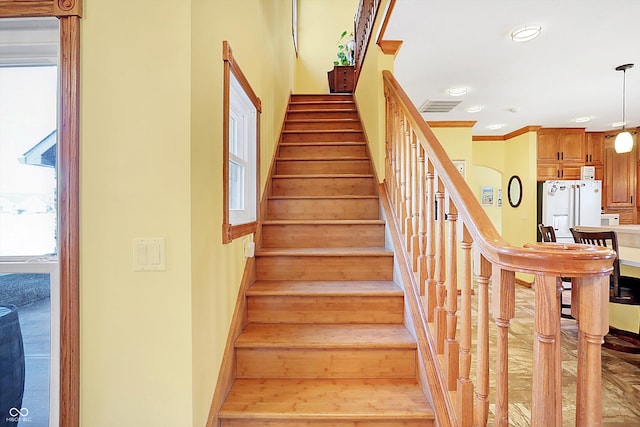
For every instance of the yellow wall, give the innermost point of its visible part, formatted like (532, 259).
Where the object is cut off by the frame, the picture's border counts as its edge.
(515, 156)
(371, 103)
(320, 23)
(488, 177)
(135, 131)
(151, 135)
(519, 224)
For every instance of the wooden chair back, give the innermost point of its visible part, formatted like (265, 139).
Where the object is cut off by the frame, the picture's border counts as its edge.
(547, 232)
(606, 239)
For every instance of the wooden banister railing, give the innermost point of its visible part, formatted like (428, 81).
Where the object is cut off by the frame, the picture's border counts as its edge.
(363, 23)
(431, 204)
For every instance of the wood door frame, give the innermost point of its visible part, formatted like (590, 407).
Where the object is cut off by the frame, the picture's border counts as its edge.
(69, 13)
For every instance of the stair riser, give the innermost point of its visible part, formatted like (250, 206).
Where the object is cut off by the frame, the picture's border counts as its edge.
(323, 186)
(322, 114)
(322, 235)
(354, 136)
(320, 126)
(322, 150)
(326, 363)
(323, 209)
(326, 105)
(324, 268)
(323, 422)
(325, 309)
(316, 98)
(292, 167)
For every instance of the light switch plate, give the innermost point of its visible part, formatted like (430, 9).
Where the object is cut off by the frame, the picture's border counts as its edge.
(149, 254)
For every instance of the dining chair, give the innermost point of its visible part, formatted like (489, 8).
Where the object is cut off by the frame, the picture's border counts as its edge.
(549, 235)
(622, 289)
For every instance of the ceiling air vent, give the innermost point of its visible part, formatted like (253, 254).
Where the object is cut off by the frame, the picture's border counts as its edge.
(436, 106)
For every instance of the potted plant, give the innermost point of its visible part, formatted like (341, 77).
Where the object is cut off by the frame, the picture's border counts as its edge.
(341, 78)
(346, 50)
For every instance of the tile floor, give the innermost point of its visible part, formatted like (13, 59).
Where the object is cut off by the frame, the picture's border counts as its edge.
(620, 372)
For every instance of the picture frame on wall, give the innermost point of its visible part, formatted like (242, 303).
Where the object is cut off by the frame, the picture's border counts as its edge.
(486, 198)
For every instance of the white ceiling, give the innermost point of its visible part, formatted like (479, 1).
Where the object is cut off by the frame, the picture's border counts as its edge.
(567, 72)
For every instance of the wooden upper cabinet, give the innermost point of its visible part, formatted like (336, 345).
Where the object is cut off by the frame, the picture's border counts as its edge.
(571, 145)
(619, 177)
(548, 149)
(594, 148)
(561, 153)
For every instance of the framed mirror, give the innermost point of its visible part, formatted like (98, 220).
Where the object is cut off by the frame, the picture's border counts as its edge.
(514, 191)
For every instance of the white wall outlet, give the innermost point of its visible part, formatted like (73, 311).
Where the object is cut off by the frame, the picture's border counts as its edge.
(149, 254)
(248, 248)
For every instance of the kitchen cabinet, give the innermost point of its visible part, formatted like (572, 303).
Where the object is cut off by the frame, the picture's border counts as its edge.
(560, 153)
(594, 152)
(620, 181)
(594, 148)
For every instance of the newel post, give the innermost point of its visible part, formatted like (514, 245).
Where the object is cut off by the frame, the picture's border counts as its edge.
(593, 315)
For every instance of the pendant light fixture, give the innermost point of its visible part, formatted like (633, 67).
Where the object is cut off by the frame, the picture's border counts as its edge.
(624, 140)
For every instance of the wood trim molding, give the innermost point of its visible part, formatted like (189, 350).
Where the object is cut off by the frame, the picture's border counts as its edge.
(69, 220)
(229, 231)
(507, 136)
(68, 11)
(451, 124)
(385, 22)
(227, 374)
(40, 8)
(390, 47)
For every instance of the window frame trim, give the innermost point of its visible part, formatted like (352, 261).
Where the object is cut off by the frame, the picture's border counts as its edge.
(69, 13)
(230, 231)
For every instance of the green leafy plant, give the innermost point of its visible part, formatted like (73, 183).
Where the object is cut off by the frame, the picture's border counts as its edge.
(346, 50)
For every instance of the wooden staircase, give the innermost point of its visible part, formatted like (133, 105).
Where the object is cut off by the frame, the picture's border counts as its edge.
(324, 343)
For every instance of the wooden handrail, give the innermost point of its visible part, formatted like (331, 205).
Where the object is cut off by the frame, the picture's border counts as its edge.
(493, 246)
(425, 192)
(363, 26)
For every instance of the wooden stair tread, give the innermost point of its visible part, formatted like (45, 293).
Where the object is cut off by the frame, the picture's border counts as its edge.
(322, 131)
(323, 221)
(323, 102)
(330, 335)
(324, 288)
(338, 197)
(339, 120)
(342, 109)
(324, 175)
(326, 399)
(339, 251)
(314, 143)
(328, 159)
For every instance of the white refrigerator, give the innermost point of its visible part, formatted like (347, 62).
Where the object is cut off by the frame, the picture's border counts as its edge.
(566, 204)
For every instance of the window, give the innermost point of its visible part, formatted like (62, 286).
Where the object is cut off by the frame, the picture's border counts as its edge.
(29, 270)
(241, 132)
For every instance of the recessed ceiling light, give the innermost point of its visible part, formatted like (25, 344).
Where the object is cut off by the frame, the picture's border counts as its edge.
(474, 108)
(618, 124)
(457, 91)
(583, 119)
(526, 33)
(496, 126)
